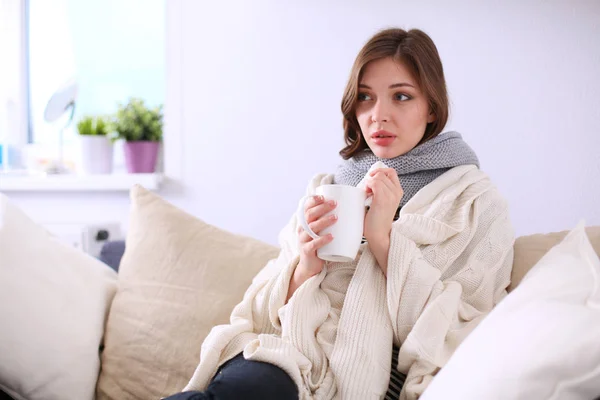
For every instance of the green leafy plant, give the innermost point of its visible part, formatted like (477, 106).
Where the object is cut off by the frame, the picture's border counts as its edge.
(135, 121)
(94, 126)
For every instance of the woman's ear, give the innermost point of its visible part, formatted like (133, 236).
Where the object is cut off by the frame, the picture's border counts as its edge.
(431, 117)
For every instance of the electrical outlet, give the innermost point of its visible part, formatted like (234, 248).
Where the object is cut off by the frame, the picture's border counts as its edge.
(88, 238)
(94, 236)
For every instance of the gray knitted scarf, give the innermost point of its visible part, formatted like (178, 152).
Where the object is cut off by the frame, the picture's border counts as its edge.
(417, 168)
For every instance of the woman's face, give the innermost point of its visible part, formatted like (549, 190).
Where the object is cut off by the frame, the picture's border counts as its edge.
(392, 111)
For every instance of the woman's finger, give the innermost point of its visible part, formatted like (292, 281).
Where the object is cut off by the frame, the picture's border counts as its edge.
(378, 187)
(316, 244)
(386, 171)
(313, 201)
(386, 179)
(314, 213)
(323, 223)
(390, 192)
(394, 176)
(317, 227)
(376, 171)
(395, 179)
(304, 237)
(390, 188)
(389, 172)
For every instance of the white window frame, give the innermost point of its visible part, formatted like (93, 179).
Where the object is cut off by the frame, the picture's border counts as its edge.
(18, 135)
(173, 138)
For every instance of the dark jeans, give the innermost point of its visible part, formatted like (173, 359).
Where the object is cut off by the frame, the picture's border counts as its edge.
(239, 378)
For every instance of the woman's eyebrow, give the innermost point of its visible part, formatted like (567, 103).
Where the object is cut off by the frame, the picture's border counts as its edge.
(401, 84)
(393, 86)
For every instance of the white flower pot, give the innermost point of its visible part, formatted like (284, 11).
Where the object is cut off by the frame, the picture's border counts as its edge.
(96, 154)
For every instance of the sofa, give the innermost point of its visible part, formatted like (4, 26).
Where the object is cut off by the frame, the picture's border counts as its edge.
(75, 328)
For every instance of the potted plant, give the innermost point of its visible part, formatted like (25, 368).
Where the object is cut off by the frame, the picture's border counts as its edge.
(96, 144)
(141, 128)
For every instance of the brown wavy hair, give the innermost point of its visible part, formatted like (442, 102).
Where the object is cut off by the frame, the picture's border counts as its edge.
(416, 50)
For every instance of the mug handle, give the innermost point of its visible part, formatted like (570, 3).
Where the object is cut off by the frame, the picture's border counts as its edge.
(302, 218)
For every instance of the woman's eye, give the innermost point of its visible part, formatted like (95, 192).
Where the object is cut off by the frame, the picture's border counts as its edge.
(401, 97)
(363, 97)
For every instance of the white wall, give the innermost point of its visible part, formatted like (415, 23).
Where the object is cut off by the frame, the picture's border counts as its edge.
(262, 82)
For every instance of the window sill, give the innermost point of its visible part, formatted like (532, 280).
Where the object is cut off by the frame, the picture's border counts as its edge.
(12, 182)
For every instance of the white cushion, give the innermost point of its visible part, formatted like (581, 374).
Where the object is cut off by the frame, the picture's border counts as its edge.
(541, 342)
(54, 300)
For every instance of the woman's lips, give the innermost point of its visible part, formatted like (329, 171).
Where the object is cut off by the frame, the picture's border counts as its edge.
(383, 138)
(384, 141)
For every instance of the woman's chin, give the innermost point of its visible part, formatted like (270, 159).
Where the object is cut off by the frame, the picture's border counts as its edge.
(388, 152)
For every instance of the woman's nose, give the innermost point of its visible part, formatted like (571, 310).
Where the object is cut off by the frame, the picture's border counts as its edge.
(380, 112)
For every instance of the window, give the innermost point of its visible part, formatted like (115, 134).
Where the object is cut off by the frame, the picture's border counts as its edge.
(112, 49)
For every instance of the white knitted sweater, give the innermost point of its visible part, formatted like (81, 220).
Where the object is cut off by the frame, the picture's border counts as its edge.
(449, 263)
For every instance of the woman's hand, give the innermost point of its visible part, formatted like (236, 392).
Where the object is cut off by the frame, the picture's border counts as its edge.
(309, 264)
(314, 211)
(387, 192)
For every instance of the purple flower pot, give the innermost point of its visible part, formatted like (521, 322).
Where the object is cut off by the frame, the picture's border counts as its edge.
(140, 157)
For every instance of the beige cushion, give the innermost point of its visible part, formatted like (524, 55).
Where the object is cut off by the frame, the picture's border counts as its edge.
(530, 249)
(178, 278)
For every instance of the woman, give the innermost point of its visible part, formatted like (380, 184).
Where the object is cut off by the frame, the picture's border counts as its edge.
(436, 259)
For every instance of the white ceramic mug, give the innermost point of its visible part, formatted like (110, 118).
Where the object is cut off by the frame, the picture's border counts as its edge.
(347, 231)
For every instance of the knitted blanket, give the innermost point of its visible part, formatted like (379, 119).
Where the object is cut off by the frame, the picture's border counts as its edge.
(449, 264)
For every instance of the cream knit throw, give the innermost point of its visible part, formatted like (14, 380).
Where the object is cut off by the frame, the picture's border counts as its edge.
(449, 263)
